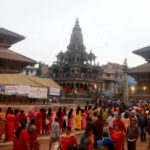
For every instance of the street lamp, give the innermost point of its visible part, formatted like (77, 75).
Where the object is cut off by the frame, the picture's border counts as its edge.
(144, 88)
(132, 89)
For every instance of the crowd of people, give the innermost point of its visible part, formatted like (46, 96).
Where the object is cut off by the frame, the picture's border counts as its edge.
(107, 126)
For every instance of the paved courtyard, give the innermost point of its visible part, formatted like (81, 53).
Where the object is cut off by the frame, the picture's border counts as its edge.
(44, 145)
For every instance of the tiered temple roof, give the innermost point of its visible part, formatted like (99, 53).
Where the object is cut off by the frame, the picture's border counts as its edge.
(10, 61)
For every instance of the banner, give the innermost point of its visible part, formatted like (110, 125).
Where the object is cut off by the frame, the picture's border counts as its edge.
(23, 90)
(2, 89)
(11, 90)
(38, 92)
(54, 91)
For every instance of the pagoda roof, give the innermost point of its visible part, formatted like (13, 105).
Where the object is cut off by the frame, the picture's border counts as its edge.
(11, 36)
(144, 68)
(11, 55)
(144, 52)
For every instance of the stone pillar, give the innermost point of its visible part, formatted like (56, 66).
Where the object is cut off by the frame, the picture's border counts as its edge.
(125, 83)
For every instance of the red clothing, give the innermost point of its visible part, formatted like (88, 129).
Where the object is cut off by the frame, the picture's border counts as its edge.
(38, 122)
(17, 123)
(21, 117)
(120, 123)
(118, 138)
(33, 137)
(68, 141)
(60, 121)
(10, 127)
(20, 142)
(99, 128)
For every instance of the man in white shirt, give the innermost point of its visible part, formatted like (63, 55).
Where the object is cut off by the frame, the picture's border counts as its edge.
(110, 121)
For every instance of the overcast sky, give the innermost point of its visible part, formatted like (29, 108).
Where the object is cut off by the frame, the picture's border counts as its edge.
(111, 28)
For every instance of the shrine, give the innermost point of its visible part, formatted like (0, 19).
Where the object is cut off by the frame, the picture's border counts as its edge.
(76, 71)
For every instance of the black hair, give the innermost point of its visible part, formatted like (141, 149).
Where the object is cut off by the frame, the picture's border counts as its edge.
(105, 134)
(23, 125)
(69, 128)
(64, 110)
(16, 111)
(0, 109)
(78, 110)
(59, 112)
(49, 112)
(70, 113)
(89, 128)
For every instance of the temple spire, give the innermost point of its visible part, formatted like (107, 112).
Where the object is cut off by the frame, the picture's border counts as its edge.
(76, 40)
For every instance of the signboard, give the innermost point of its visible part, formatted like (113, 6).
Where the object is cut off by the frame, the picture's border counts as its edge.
(54, 91)
(2, 89)
(38, 92)
(23, 90)
(11, 90)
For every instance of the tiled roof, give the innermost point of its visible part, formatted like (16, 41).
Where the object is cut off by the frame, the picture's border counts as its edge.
(144, 68)
(11, 55)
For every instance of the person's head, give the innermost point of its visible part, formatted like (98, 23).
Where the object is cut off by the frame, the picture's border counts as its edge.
(106, 144)
(68, 130)
(0, 109)
(88, 120)
(126, 115)
(112, 115)
(22, 112)
(16, 111)
(132, 121)
(89, 131)
(11, 111)
(117, 127)
(105, 134)
(85, 107)
(56, 119)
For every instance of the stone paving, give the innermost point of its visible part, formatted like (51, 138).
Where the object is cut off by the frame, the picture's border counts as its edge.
(45, 144)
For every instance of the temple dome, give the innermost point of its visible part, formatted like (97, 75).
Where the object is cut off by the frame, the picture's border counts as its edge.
(76, 40)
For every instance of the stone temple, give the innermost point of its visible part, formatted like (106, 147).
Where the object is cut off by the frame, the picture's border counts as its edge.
(75, 70)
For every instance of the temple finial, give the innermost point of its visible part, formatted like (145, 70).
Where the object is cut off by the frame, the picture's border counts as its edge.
(77, 21)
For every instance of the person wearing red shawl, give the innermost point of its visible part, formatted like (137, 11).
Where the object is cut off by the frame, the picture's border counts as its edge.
(38, 119)
(67, 140)
(22, 116)
(10, 126)
(34, 144)
(44, 118)
(118, 138)
(17, 122)
(50, 118)
(120, 123)
(60, 115)
(99, 128)
(22, 139)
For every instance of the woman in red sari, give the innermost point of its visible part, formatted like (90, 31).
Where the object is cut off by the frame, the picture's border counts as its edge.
(10, 126)
(34, 144)
(17, 123)
(22, 139)
(118, 138)
(67, 140)
(60, 115)
(39, 121)
(22, 116)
